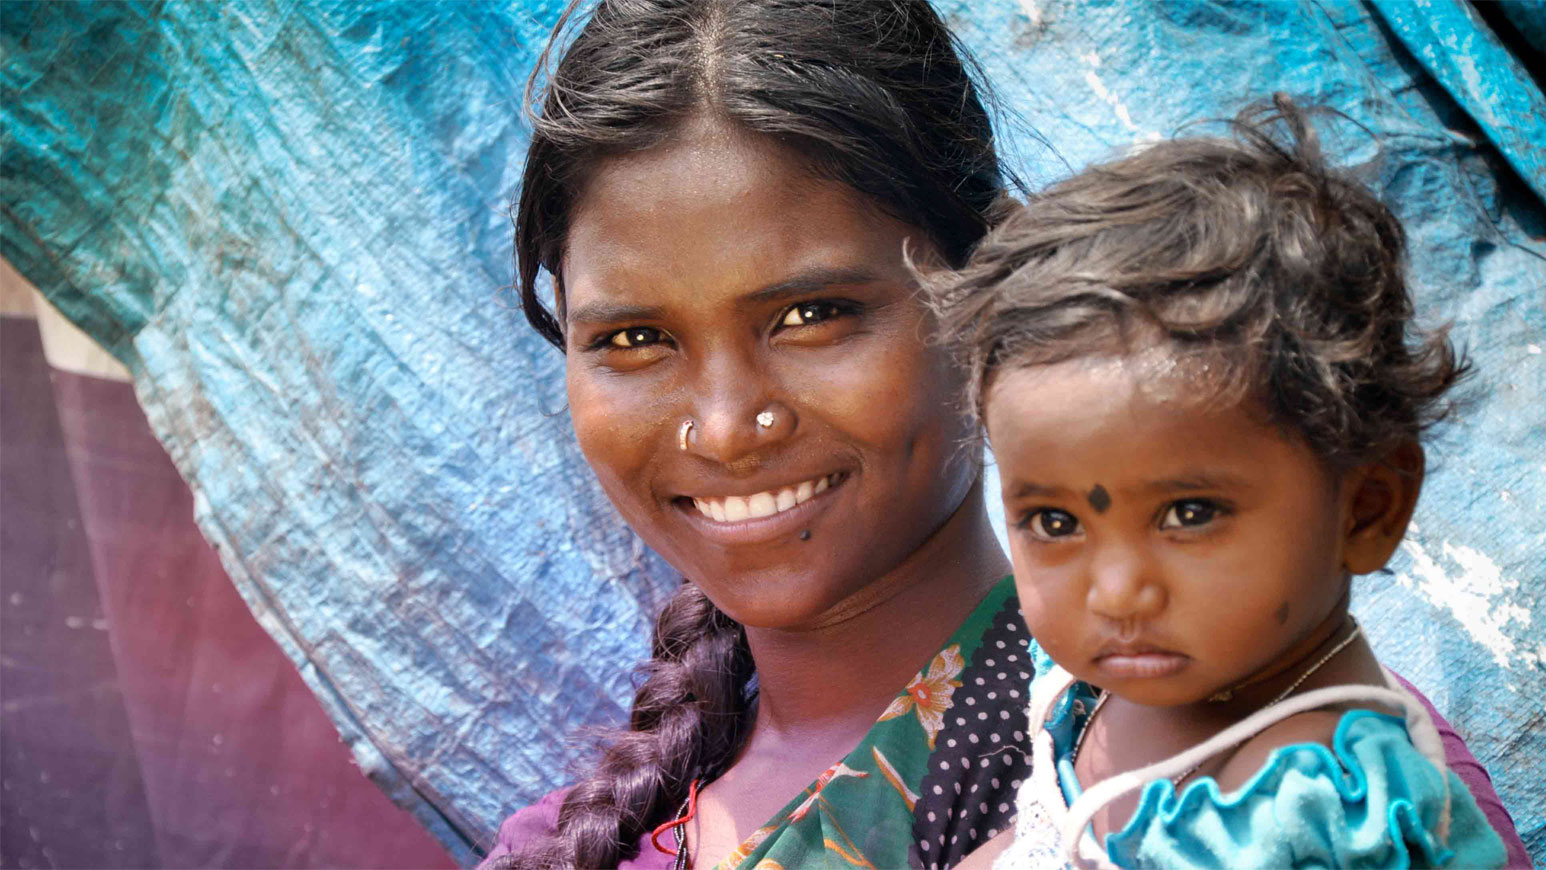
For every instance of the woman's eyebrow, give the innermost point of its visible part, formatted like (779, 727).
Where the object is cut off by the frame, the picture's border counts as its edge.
(607, 311)
(807, 281)
(613, 312)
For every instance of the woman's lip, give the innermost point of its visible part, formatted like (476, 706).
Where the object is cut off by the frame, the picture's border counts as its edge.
(760, 529)
(1146, 665)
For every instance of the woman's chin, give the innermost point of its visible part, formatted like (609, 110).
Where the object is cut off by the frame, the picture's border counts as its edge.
(777, 595)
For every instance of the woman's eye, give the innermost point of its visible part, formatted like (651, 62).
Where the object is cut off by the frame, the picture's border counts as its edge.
(635, 336)
(1050, 524)
(807, 313)
(1189, 514)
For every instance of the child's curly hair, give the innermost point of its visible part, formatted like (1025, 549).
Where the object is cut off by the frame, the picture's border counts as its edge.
(1286, 279)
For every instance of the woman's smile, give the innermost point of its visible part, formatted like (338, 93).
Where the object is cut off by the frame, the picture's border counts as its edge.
(765, 515)
(764, 503)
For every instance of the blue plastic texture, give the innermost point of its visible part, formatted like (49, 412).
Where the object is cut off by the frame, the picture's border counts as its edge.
(290, 220)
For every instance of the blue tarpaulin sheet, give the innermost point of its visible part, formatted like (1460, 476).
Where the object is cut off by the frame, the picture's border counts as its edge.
(291, 221)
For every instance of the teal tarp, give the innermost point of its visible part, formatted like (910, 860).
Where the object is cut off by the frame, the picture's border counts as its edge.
(290, 221)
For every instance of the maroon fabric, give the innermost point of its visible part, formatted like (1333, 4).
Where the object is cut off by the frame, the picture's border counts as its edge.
(541, 818)
(1476, 778)
(68, 757)
(234, 761)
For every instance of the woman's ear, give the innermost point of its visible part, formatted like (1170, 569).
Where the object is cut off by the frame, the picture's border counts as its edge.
(1380, 499)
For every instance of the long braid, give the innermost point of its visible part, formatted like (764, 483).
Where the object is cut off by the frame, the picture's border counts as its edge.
(689, 719)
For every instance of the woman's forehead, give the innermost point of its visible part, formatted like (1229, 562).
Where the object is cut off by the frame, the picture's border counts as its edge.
(717, 215)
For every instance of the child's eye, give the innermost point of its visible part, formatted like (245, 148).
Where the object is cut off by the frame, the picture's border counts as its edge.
(1051, 524)
(634, 336)
(1189, 514)
(808, 313)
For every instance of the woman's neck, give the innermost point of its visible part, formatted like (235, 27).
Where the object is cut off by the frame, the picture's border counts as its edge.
(834, 679)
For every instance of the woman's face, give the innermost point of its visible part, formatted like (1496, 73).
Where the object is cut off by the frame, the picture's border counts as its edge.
(714, 280)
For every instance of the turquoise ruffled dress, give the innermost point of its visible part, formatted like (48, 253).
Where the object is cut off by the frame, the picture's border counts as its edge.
(1373, 799)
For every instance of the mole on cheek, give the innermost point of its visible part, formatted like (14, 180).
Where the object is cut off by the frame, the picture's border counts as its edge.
(1099, 499)
(1282, 613)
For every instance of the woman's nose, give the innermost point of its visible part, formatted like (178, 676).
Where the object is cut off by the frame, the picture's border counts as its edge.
(735, 416)
(1125, 586)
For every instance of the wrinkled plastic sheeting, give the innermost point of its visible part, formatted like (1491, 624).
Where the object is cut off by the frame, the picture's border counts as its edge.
(290, 221)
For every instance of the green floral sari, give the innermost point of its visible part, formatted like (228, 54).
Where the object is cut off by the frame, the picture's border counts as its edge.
(937, 774)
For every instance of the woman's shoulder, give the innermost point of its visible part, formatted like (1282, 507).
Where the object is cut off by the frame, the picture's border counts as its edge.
(527, 825)
(1369, 799)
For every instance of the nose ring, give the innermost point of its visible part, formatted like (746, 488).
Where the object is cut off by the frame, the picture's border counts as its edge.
(765, 419)
(681, 438)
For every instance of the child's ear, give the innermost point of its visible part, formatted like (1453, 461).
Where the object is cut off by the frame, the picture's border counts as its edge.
(1380, 499)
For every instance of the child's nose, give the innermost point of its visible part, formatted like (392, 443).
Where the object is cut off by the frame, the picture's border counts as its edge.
(1125, 587)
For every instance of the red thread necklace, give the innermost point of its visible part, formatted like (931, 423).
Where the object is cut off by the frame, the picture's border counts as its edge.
(678, 827)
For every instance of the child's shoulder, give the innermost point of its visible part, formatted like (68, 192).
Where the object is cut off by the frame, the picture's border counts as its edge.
(1314, 727)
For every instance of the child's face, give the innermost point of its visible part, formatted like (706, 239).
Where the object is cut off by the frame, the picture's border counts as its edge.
(1165, 547)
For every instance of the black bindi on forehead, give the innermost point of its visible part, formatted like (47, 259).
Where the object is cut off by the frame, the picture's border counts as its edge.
(1099, 499)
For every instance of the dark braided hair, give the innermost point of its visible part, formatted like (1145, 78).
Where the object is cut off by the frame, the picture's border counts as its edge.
(689, 718)
(874, 94)
(1250, 257)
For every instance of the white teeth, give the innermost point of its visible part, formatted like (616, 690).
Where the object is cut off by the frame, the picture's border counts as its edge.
(761, 505)
(733, 508)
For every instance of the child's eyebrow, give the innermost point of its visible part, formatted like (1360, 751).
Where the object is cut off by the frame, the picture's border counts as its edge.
(1198, 481)
(1027, 488)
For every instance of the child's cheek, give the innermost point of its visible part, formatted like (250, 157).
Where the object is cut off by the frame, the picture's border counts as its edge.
(1023, 576)
(1037, 603)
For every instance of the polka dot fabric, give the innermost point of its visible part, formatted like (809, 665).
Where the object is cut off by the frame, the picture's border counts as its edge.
(979, 757)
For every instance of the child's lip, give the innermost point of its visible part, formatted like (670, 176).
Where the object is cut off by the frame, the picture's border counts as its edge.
(1139, 661)
(1131, 648)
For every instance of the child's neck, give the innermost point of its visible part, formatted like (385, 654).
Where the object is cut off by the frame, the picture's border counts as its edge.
(1288, 672)
(1329, 656)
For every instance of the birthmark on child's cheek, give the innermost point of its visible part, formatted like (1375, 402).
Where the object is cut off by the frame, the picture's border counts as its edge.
(1282, 613)
(805, 535)
(1099, 499)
